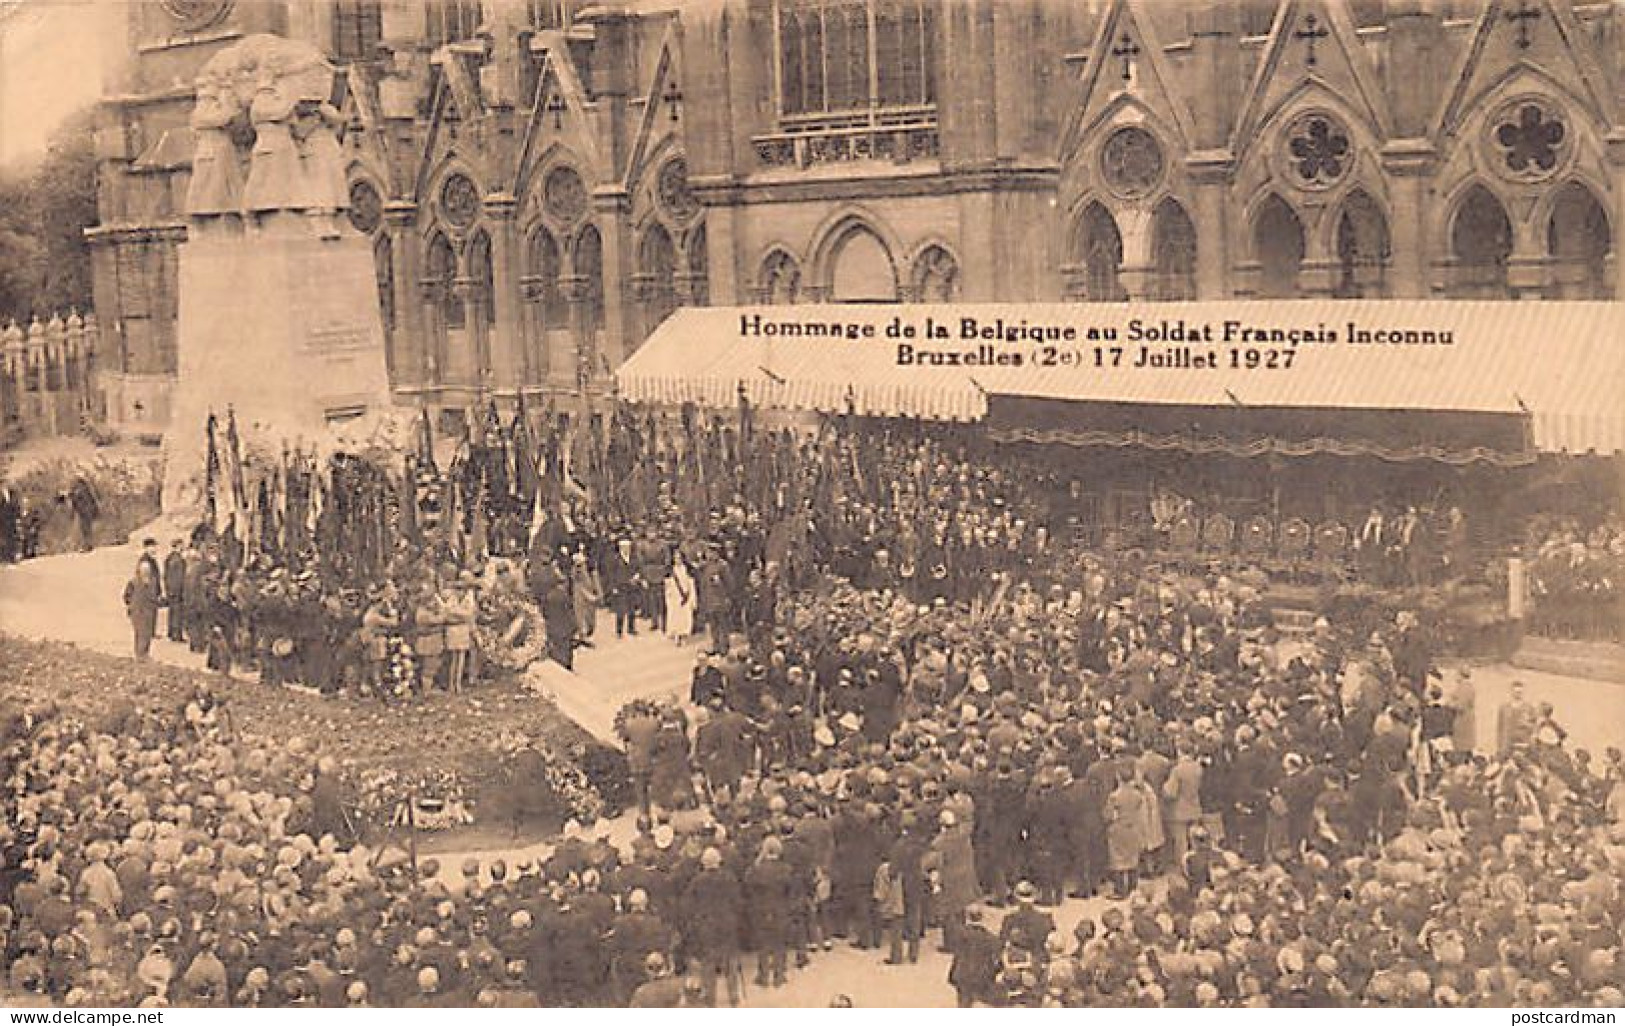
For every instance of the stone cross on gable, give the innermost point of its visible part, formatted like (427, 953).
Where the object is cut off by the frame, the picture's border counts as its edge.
(556, 107)
(1311, 33)
(673, 98)
(1522, 18)
(1126, 50)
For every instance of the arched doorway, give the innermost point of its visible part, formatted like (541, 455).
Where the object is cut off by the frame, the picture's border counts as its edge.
(861, 269)
(1278, 242)
(1480, 244)
(1578, 237)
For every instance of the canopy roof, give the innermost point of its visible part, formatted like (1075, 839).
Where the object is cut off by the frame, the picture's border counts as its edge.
(1559, 365)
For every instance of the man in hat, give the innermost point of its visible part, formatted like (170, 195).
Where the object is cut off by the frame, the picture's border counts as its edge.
(1515, 722)
(723, 748)
(143, 595)
(715, 909)
(1027, 928)
(770, 893)
(975, 966)
(623, 584)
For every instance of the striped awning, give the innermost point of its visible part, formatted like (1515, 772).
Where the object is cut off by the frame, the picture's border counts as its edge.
(704, 356)
(1561, 365)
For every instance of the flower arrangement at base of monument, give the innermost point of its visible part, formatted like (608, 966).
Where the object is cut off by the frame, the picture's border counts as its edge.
(429, 800)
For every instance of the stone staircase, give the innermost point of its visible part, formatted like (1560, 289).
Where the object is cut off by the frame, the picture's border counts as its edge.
(614, 672)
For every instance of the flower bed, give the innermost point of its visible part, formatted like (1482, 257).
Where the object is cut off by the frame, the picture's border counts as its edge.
(452, 754)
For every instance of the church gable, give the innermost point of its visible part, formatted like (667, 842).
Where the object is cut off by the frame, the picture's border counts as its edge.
(1313, 46)
(661, 121)
(559, 116)
(454, 132)
(1537, 36)
(1126, 70)
(365, 141)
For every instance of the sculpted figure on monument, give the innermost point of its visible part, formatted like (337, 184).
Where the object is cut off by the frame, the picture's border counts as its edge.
(216, 188)
(278, 90)
(276, 174)
(316, 129)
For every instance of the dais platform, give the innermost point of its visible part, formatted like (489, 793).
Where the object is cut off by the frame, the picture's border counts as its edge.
(617, 671)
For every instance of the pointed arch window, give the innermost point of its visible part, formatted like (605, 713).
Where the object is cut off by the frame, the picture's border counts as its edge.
(1278, 241)
(1362, 249)
(699, 268)
(440, 282)
(383, 266)
(482, 272)
(657, 268)
(780, 280)
(589, 266)
(543, 281)
(1480, 245)
(1579, 239)
(1098, 250)
(1173, 253)
(936, 276)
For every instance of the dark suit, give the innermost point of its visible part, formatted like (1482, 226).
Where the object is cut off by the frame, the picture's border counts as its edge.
(175, 594)
(141, 602)
(621, 589)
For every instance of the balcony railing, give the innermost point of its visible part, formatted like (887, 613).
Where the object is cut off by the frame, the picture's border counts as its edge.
(898, 134)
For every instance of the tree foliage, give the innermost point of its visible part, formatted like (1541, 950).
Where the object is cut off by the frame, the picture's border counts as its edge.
(44, 211)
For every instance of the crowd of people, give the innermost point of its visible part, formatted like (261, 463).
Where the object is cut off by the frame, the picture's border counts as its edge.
(920, 719)
(1575, 577)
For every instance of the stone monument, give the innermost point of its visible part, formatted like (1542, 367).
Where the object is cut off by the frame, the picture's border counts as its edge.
(279, 317)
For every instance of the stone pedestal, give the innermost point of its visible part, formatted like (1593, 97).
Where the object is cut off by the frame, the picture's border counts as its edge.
(282, 326)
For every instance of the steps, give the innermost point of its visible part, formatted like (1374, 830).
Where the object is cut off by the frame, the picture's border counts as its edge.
(615, 672)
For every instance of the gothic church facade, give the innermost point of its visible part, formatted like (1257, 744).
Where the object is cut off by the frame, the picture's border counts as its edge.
(544, 181)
